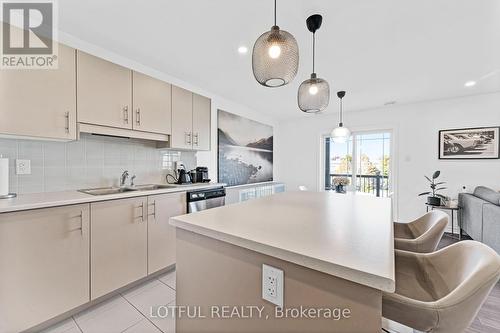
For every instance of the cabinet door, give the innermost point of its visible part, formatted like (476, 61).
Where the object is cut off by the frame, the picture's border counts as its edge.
(201, 122)
(152, 104)
(40, 103)
(118, 249)
(161, 235)
(44, 264)
(104, 92)
(182, 118)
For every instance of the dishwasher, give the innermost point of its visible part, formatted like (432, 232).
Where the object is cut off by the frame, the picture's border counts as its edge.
(205, 199)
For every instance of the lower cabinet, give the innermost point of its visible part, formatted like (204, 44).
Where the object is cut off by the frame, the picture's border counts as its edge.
(44, 264)
(56, 259)
(118, 252)
(161, 235)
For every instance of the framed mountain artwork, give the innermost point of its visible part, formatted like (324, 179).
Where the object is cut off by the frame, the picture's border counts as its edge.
(245, 150)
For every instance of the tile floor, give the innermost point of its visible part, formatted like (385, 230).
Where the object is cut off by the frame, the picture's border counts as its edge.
(127, 312)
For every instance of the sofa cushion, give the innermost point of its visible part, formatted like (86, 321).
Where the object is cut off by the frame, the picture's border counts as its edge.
(491, 226)
(487, 194)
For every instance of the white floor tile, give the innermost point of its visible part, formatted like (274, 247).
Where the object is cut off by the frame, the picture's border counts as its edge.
(167, 325)
(395, 327)
(144, 326)
(66, 326)
(151, 295)
(169, 279)
(115, 315)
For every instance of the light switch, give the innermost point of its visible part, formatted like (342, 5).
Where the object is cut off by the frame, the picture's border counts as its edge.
(272, 284)
(23, 167)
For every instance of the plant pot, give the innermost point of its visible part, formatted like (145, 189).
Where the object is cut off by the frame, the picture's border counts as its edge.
(340, 189)
(434, 201)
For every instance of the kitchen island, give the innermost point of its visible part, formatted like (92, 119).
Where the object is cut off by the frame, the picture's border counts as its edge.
(336, 252)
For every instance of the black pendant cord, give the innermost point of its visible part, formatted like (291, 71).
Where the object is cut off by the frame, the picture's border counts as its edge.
(341, 116)
(274, 12)
(314, 48)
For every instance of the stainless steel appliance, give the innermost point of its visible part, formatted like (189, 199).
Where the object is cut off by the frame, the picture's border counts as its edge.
(205, 199)
(200, 175)
(183, 177)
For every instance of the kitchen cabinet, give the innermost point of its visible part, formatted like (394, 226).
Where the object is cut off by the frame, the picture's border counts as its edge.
(190, 120)
(152, 104)
(104, 92)
(161, 235)
(44, 264)
(201, 122)
(182, 119)
(118, 248)
(40, 103)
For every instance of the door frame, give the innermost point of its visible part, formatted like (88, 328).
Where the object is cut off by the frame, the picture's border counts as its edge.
(394, 174)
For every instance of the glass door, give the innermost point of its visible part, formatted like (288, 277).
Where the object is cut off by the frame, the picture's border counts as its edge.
(365, 160)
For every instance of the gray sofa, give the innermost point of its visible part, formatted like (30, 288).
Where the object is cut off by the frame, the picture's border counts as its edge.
(480, 216)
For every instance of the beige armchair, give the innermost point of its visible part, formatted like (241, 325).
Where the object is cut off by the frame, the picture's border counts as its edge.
(442, 292)
(423, 234)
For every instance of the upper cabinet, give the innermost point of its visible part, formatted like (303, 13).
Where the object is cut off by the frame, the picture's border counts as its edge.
(104, 92)
(190, 120)
(182, 118)
(201, 122)
(152, 104)
(102, 98)
(40, 103)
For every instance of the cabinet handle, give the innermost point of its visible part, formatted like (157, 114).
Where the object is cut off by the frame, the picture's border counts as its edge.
(142, 211)
(125, 114)
(81, 223)
(196, 139)
(138, 116)
(67, 122)
(154, 210)
(188, 138)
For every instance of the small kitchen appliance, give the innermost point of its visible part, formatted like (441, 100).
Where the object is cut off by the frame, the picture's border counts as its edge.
(200, 175)
(183, 177)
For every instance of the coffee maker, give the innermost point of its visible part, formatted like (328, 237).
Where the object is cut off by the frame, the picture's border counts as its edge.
(200, 175)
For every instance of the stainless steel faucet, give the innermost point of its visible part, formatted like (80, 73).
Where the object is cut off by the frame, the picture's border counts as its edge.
(123, 178)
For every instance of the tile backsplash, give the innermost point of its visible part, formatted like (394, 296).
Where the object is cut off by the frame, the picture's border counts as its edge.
(92, 161)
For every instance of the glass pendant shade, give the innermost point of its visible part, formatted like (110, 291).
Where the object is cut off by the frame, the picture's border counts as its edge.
(275, 58)
(313, 95)
(340, 134)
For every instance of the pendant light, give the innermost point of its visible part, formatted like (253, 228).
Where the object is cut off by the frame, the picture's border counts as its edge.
(341, 134)
(314, 93)
(275, 57)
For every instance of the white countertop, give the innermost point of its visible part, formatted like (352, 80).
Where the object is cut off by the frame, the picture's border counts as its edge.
(63, 198)
(348, 236)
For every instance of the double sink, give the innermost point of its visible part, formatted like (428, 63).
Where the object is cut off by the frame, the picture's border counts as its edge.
(117, 190)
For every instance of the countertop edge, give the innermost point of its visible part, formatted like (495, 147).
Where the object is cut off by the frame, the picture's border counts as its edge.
(83, 198)
(347, 273)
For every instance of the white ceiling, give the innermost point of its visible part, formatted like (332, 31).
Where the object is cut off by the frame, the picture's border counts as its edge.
(377, 50)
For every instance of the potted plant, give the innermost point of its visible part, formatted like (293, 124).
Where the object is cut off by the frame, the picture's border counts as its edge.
(435, 198)
(340, 184)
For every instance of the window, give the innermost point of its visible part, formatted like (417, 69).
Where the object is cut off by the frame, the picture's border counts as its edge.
(365, 160)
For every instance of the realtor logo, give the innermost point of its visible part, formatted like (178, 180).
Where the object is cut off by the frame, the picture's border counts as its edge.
(28, 34)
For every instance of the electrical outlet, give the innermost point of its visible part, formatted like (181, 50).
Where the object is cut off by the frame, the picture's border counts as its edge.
(272, 284)
(23, 167)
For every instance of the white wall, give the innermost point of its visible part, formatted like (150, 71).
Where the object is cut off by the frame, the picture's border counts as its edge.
(208, 159)
(415, 127)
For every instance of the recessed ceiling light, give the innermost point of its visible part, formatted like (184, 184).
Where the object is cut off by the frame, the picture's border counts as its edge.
(243, 49)
(470, 83)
